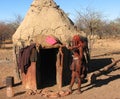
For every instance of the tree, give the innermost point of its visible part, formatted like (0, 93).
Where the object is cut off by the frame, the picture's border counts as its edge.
(15, 24)
(89, 21)
(8, 29)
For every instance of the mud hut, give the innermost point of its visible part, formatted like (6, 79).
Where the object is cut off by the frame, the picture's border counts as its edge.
(47, 26)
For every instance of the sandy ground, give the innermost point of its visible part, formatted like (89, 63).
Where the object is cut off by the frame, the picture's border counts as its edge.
(107, 86)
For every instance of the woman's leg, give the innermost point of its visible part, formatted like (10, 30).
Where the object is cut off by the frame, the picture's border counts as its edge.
(79, 81)
(72, 80)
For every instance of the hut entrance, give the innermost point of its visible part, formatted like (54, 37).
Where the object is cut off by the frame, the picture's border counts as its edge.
(46, 67)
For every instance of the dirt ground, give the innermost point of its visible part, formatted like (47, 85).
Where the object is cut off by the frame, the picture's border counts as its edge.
(107, 86)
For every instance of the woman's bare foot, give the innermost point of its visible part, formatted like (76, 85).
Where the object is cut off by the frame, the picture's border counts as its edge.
(79, 91)
(70, 89)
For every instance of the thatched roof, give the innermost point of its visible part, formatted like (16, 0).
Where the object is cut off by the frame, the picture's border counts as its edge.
(45, 18)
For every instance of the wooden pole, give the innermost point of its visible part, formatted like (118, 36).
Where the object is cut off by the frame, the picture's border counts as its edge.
(15, 56)
(59, 67)
(94, 75)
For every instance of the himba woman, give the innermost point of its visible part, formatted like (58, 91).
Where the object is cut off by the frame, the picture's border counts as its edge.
(77, 67)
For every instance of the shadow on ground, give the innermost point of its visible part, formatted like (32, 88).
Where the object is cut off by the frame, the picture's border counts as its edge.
(19, 93)
(96, 64)
(14, 85)
(102, 82)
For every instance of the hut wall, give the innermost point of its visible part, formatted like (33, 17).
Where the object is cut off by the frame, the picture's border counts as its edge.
(29, 79)
(51, 68)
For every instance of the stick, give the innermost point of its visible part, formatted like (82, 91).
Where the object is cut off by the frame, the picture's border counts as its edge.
(94, 75)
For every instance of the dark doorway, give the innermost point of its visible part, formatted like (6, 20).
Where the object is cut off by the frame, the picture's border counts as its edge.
(46, 67)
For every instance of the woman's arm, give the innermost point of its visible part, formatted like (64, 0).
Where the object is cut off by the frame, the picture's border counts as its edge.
(81, 52)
